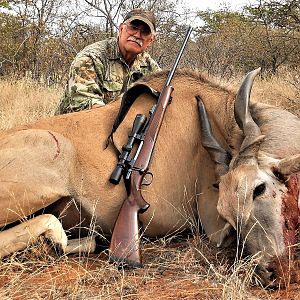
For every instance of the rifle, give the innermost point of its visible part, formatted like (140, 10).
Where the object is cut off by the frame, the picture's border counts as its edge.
(124, 246)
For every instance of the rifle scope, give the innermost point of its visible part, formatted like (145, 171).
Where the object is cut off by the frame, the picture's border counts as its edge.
(137, 126)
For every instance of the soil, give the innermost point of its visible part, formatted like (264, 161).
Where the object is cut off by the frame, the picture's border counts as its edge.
(171, 271)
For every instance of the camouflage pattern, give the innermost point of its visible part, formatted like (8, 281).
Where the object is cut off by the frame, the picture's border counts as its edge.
(143, 15)
(99, 74)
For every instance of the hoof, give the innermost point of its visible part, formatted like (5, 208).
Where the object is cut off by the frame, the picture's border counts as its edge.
(55, 247)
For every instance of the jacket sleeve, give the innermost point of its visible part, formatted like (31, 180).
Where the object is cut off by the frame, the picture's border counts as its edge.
(84, 87)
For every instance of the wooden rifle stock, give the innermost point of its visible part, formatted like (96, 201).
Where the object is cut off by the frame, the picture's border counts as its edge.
(124, 247)
(125, 241)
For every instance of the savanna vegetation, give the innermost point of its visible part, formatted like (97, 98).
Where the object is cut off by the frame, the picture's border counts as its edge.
(39, 38)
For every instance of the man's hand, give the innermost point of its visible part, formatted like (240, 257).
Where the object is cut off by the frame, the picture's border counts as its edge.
(96, 106)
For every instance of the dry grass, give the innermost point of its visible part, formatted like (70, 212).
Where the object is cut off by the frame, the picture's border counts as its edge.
(281, 90)
(174, 268)
(24, 101)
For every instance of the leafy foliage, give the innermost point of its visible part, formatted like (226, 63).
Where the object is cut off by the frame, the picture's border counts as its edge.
(4, 4)
(39, 38)
(265, 35)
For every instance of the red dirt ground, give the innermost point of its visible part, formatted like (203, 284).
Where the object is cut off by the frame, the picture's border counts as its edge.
(171, 271)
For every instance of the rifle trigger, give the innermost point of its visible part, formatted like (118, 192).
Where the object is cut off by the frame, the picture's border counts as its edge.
(147, 180)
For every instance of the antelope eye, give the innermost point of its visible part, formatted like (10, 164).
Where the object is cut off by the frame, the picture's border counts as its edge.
(259, 190)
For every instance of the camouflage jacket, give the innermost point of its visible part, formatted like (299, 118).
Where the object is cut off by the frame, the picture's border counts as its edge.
(99, 74)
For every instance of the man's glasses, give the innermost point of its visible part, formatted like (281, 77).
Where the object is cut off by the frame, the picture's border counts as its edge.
(133, 29)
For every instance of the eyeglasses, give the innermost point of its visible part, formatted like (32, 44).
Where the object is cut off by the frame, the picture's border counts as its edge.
(133, 29)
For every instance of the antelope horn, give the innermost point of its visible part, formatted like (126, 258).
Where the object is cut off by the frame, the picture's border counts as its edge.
(217, 153)
(241, 106)
(253, 137)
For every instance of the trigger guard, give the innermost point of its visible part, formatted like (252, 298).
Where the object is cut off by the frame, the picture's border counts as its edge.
(147, 182)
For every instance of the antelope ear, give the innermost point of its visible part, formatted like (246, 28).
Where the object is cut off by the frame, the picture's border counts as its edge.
(227, 236)
(289, 165)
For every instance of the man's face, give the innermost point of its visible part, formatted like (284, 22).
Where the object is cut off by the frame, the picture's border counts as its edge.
(134, 37)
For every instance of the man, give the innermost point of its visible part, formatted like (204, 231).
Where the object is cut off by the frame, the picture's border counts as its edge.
(105, 69)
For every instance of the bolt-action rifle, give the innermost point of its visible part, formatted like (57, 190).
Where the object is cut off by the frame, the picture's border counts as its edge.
(124, 246)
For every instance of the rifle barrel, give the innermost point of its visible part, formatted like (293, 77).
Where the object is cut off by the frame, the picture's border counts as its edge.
(172, 71)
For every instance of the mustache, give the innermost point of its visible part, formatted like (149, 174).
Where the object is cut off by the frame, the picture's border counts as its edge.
(134, 39)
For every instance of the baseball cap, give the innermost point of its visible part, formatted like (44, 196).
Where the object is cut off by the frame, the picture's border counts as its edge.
(143, 15)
